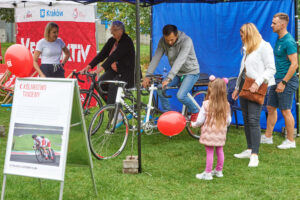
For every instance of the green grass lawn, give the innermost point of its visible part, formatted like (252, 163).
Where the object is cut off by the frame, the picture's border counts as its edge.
(168, 172)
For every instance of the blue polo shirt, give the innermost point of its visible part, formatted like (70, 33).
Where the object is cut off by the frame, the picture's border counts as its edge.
(284, 46)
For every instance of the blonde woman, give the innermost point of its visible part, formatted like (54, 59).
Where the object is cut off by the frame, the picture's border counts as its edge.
(214, 117)
(258, 64)
(50, 49)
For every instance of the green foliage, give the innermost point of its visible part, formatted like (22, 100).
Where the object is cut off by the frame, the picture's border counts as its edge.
(7, 14)
(125, 13)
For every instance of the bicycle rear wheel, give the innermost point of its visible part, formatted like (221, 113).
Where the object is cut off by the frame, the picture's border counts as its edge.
(90, 105)
(109, 139)
(199, 96)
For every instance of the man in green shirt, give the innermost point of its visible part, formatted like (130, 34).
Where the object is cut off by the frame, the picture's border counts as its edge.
(281, 95)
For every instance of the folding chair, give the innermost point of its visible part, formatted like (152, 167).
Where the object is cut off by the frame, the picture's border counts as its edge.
(4, 75)
(234, 104)
(7, 86)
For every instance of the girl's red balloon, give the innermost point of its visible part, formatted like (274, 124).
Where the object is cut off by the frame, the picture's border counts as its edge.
(19, 60)
(171, 123)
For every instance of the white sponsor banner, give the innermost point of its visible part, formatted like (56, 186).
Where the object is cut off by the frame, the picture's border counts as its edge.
(74, 13)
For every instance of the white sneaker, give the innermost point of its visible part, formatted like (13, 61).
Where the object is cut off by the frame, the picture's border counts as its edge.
(253, 161)
(287, 144)
(266, 140)
(204, 176)
(217, 173)
(244, 154)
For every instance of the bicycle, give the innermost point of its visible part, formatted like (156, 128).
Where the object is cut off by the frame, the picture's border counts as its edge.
(109, 139)
(89, 99)
(43, 156)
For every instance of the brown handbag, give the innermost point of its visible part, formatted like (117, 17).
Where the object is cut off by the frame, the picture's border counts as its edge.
(257, 97)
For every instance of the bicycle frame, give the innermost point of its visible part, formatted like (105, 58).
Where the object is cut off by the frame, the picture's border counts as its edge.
(193, 100)
(120, 101)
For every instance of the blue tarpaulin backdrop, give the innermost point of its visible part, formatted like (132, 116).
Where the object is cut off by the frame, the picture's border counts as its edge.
(214, 29)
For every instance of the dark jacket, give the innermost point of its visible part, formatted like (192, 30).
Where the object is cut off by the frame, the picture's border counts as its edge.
(124, 55)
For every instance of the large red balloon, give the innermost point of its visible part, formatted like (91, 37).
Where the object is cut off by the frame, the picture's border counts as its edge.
(171, 123)
(19, 60)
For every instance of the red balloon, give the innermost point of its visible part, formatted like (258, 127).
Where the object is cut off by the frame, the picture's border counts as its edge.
(19, 60)
(171, 123)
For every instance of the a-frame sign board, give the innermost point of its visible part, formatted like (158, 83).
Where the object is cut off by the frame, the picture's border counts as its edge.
(48, 108)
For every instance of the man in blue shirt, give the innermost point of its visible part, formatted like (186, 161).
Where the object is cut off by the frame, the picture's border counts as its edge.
(281, 95)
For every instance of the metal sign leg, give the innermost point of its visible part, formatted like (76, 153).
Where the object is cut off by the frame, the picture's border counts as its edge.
(3, 187)
(61, 190)
(40, 181)
(93, 180)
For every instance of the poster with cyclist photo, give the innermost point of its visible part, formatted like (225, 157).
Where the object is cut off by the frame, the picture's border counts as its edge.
(36, 144)
(39, 128)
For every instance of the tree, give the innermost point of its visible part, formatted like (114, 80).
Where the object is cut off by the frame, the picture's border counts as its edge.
(7, 14)
(125, 13)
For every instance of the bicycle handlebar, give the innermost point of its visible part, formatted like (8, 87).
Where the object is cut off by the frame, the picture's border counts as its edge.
(87, 74)
(163, 91)
(76, 74)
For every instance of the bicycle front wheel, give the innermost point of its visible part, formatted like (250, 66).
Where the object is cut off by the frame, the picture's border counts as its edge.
(39, 155)
(109, 140)
(90, 105)
(199, 97)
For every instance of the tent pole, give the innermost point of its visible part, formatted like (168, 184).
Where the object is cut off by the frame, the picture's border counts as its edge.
(138, 81)
(151, 34)
(296, 38)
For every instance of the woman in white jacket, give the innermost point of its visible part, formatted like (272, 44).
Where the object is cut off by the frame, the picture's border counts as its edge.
(257, 63)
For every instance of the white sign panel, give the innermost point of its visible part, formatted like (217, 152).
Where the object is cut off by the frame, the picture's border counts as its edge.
(39, 128)
(74, 13)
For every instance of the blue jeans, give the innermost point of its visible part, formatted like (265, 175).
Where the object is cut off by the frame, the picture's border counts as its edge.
(186, 86)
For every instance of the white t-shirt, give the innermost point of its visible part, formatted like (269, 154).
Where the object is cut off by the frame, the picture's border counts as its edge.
(38, 140)
(50, 51)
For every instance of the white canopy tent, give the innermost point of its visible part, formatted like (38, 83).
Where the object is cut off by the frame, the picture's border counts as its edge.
(24, 3)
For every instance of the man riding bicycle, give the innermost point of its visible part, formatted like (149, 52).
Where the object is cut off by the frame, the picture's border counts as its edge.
(185, 67)
(43, 143)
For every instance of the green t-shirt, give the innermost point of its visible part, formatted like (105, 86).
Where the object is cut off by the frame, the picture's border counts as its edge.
(284, 46)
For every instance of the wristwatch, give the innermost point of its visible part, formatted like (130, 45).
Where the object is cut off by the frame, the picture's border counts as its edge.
(283, 82)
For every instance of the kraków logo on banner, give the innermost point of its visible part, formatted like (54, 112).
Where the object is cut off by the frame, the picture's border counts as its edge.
(42, 13)
(51, 13)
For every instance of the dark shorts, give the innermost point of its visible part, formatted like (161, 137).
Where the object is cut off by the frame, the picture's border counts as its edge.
(51, 71)
(284, 100)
